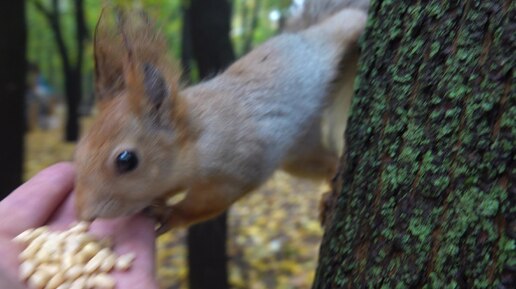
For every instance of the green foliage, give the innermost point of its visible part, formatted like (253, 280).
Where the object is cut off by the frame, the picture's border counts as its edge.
(42, 49)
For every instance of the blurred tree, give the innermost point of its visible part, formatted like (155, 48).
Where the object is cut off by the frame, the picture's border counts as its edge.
(250, 25)
(428, 182)
(12, 92)
(209, 27)
(72, 68)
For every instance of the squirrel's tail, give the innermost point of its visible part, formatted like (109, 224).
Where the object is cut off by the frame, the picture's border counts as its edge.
(315, 11)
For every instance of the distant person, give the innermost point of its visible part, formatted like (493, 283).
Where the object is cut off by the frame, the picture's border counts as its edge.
(45, 97)
(40, 100)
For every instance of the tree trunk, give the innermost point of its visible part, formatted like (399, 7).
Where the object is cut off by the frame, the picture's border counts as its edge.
(186, 46)
(212, 50)
(427, 185)
(73, 91)
(12, 94)
(72, 72)
(251, 27)
(210, 26)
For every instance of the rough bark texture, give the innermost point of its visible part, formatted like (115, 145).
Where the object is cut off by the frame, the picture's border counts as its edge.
(428, 182)
(12, 93)
(211, 45)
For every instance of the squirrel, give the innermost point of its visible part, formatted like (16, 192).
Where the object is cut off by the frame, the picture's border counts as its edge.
(217, 140)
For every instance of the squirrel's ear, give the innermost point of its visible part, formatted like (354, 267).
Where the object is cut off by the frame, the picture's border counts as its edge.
(109, 59)
(155, 86)
(131, 60)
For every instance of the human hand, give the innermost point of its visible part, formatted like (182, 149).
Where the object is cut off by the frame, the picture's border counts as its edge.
(46, 199)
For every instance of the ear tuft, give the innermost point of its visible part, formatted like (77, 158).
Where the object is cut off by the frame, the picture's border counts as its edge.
(154, 84)
(109, 62)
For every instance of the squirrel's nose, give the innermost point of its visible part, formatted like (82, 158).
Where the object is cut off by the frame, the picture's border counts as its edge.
(84, 212)
(86, 215)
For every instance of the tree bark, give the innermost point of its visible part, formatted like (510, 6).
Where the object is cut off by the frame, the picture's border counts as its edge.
(210, 27)
(12, 94)
(427, 184)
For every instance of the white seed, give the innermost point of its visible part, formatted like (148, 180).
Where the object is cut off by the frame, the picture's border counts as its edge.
(74, 272)
(38, 231)
(80, 227)
(72, 246)
(26, 270)
(65, 285)
(38, 280)
(24, 237)
(72, 259)
(108, 263)
(90, 249)
(80, 258)
(55, 281)
(176, 199)
(95, 262)
(31, 250)
(52, 244)
(49, 269)
(42, 256)
(103, 281)
(124, 262)
(80, 283)
(67, 260)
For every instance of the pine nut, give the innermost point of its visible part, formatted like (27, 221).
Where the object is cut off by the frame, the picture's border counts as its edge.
(80, 283)
(72, 259)
(124, 262)
(104, 281)
(55, 281)
(90, 249)
(25, 236)
(74, 272)
(26, 270)
(65, 285)
(108, 263)
(96, 261)
(39, 279)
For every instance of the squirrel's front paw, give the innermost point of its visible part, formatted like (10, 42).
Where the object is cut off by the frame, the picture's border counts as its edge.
(161, 214)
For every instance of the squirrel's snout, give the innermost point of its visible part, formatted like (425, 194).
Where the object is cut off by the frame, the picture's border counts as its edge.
(83, 211)
(84, 214)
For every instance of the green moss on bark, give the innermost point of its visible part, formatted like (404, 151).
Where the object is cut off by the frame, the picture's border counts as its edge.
(429, 172)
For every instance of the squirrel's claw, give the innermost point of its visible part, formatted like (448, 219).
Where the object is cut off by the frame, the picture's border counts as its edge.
(161, 214)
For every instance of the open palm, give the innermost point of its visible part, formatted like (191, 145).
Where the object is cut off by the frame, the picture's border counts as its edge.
(46, 199)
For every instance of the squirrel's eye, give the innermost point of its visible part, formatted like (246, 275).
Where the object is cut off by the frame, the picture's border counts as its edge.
(126, 161)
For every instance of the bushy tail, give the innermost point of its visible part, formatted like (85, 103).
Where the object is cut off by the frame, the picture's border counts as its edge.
(315, 11)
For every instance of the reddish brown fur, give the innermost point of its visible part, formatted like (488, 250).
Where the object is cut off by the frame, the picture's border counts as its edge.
(219, 139)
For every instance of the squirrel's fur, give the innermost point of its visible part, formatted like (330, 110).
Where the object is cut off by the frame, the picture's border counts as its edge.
(217, 140)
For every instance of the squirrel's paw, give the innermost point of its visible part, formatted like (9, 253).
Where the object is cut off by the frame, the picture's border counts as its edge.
(161, 214)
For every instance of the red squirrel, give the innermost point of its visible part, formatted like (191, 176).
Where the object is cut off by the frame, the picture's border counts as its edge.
(222, 138)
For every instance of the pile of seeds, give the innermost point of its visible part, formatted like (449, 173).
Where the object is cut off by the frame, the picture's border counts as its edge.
(72, 259)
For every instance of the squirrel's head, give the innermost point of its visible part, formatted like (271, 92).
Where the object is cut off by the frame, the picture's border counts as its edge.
(132, 151)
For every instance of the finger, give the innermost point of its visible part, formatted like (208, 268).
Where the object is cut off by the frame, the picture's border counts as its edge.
(64, 216)
(8, 280)
(132, 235)
(35, 201)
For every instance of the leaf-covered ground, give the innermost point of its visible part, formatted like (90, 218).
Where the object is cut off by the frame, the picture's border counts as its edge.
(274, 233)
